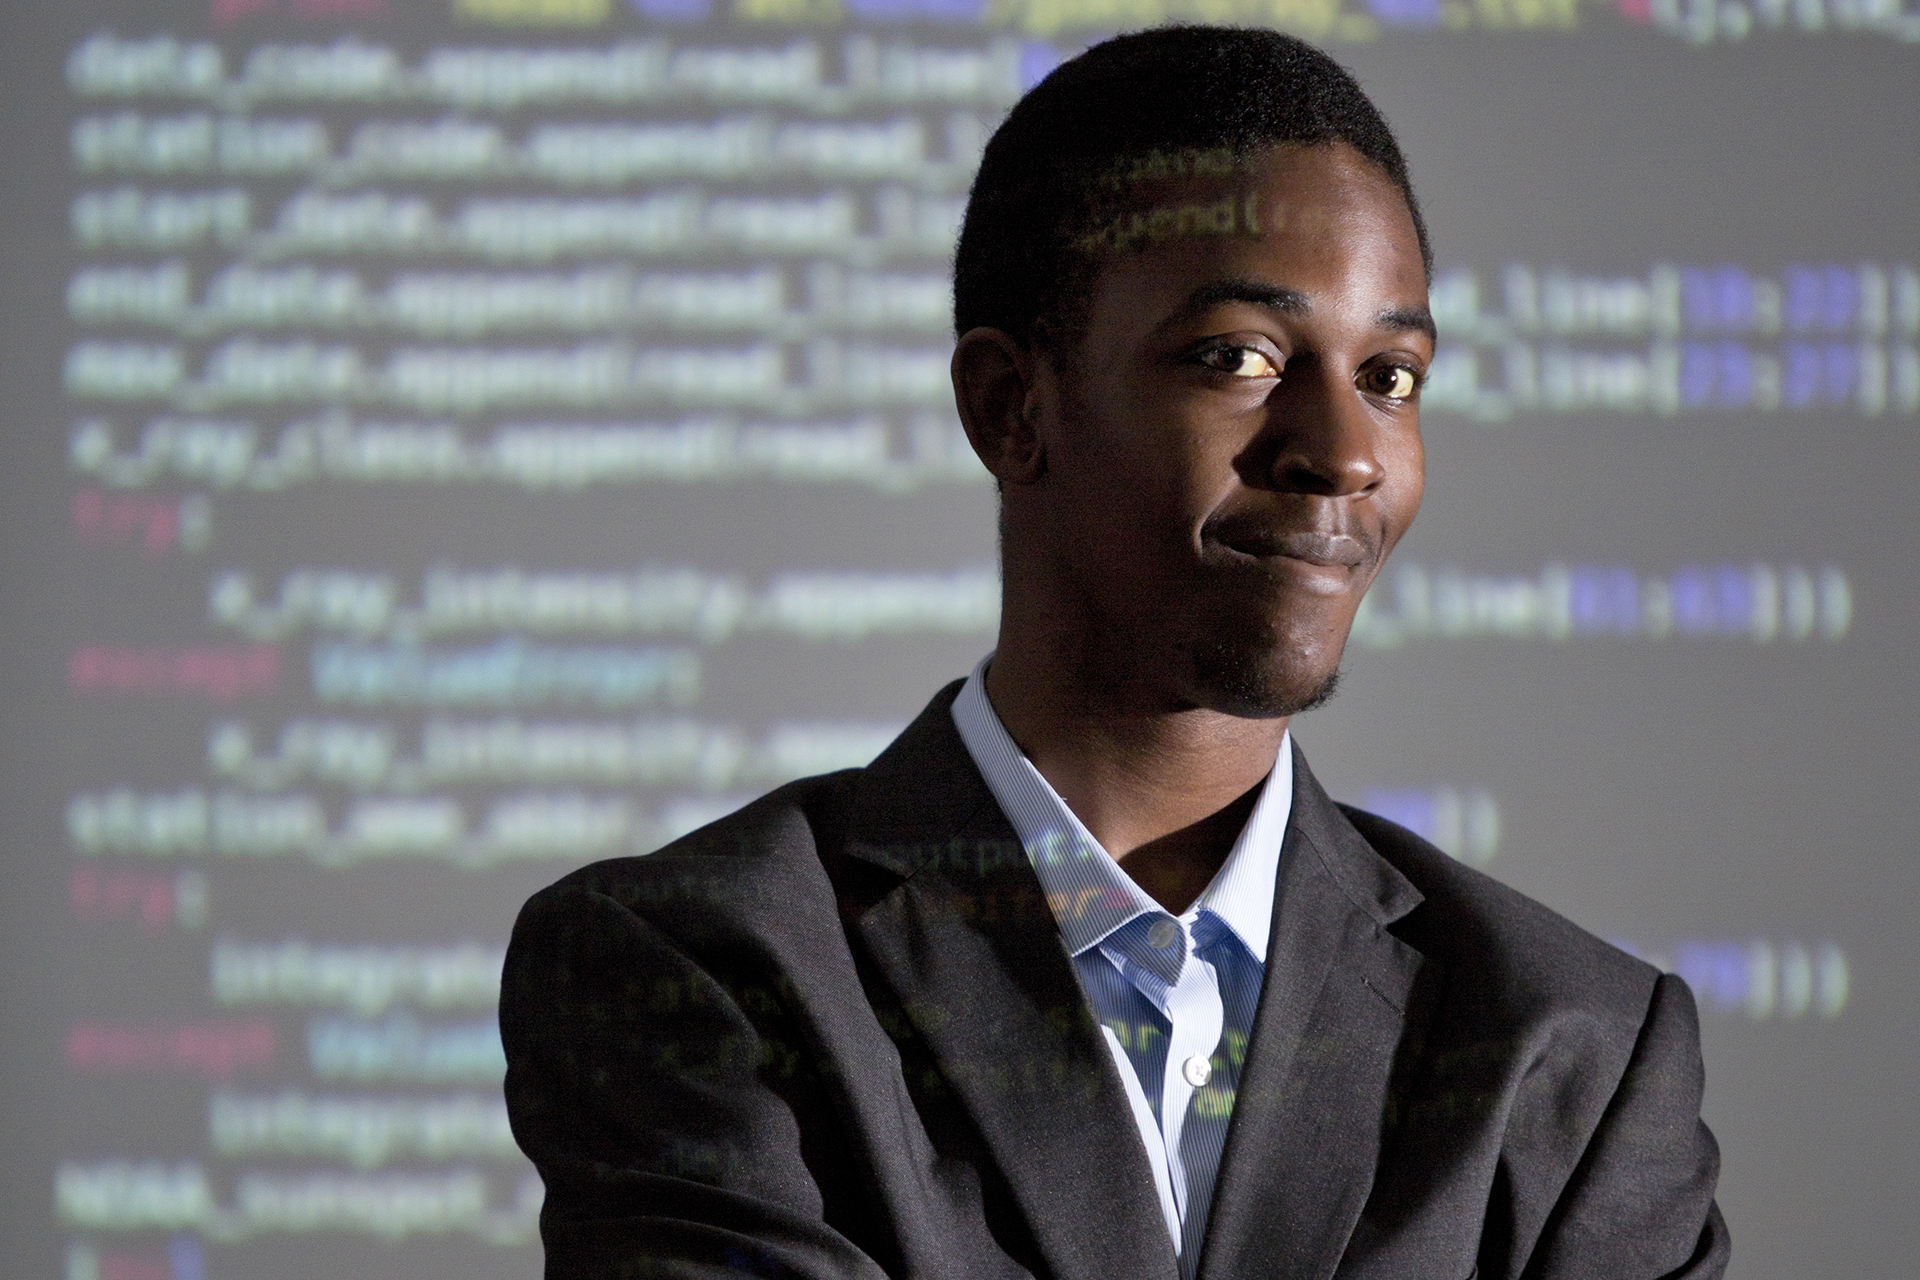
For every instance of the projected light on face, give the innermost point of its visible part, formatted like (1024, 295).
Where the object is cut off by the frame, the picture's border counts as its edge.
(1239, 446)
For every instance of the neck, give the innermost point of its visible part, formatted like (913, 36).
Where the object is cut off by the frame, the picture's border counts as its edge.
(1163, 785)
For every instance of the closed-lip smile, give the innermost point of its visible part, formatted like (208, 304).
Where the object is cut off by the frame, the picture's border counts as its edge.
(1327, 550)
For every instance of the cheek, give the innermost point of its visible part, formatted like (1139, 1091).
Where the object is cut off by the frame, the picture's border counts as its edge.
(1407, 480)
(1146, 463)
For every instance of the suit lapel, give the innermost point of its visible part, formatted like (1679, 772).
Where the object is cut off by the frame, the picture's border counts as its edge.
(971, 949)
(1308, 1118)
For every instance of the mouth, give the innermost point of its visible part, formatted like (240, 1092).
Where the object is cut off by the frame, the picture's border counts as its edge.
(1321, 550)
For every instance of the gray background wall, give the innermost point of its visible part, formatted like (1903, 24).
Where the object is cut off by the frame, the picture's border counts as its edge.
(446, 442)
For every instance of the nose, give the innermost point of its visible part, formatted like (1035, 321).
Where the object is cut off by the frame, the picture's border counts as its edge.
(1319, 438)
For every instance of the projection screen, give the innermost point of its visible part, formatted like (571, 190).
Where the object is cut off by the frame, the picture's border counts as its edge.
(449, 441)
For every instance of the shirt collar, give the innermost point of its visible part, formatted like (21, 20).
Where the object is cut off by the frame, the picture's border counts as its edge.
(1090, 894)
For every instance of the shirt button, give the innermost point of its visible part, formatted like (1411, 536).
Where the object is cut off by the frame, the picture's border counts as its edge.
(1161, 933)
(1197, 1070)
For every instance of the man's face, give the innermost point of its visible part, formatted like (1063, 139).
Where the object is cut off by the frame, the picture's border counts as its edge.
(1233, 447)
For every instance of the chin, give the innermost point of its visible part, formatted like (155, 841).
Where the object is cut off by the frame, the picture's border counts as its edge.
(1261, 685)
(1265, 658)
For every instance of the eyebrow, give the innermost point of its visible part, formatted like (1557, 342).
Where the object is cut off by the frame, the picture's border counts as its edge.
(1400, 319)
(1275, 297)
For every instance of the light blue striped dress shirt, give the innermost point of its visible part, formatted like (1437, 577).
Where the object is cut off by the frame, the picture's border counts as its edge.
(1174, 995)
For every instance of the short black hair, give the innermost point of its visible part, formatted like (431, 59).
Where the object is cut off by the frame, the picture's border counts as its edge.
(1133, 106)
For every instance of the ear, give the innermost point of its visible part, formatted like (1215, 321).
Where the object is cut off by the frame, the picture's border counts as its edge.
(1001, 387)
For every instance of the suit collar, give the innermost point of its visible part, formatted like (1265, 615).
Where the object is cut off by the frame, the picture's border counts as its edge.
(1371, 884)
(969, 945)
(919, 794)
(1341, 1006)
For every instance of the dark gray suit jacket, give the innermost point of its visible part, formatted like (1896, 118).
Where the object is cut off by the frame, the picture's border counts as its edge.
(836, 1035)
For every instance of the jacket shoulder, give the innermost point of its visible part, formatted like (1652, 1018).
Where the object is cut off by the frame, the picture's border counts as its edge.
(1517, 951)
(759, 860)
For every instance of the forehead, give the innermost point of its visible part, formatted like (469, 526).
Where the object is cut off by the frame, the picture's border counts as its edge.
(1323, 217)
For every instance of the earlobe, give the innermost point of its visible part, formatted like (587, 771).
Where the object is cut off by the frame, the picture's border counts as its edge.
(995, 389)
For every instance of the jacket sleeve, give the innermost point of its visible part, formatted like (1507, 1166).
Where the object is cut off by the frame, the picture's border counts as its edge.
(647, 1098)
(1640, 1203)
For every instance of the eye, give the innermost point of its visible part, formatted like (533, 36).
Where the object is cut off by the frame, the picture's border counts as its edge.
(1241, 362)
(1390, 381)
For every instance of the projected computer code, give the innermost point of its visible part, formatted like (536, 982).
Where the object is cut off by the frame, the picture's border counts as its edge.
(459, 413)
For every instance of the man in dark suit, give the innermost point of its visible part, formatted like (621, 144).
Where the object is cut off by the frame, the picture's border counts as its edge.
(1085, 976)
